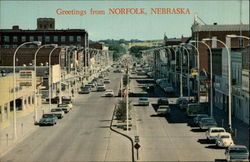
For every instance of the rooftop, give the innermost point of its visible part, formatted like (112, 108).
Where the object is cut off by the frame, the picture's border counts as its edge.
(228, 27)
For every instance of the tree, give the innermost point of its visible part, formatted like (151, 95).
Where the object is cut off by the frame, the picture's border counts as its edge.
(118, 50)
(135, 50)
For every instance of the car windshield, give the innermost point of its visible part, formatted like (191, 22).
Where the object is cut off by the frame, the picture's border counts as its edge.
(143, 99)
(48, 115)
(217, 130)
(240, 150)
(62, 105)
(225, 136)
(55, 110)
(163, 107)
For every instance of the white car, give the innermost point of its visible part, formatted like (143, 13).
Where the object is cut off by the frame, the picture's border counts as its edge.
(58, 112)
(213, 132)
(109, 93)
(224, 140)
(143, 101)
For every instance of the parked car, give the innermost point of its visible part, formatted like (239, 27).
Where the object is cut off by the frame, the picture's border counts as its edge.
(106, 80)
(64, 107)
(117, 71)
(213, 132)
(199, 117)
(183, 104)
(163, 110)
(237, 153)
(48, 119)
(162, 101)
(150, 88)
(100, 88)
(109, 93)
(206, 123)
(69, 103)
(58, 112)
(224, 140)
(179, 100)
(169, 90)
(85, 90)
(143, 101)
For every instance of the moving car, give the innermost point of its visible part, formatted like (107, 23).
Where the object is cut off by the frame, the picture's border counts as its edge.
(100, 88)
(58, 112)
(143, 101)
(109, 93)
(48, 119)
(206, 123)
(199, 117)
(162, 101)
(163, 110)
(85, 90)
(64, 107)
(224, 140)
(237, 153)
(213, 132)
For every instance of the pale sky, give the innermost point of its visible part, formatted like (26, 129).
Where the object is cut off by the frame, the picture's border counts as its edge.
(144, 27)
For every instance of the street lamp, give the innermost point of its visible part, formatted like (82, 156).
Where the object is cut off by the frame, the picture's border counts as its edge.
(35, 110)
(198, 68)
(229, 82)
(211, 75)
(14, 84)
(51, 76)
(237, 36)
(182, 45)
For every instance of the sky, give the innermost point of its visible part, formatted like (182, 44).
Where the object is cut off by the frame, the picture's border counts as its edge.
(143, 27)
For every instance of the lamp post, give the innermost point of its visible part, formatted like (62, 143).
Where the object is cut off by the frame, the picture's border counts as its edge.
(198, 68)
(14, 85)
(51, 76)
(237, 36)
(182, 45)
(229, 83)
(35, 109)
(211, 75)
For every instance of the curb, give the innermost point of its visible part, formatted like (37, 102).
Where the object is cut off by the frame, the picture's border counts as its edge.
(131, 140)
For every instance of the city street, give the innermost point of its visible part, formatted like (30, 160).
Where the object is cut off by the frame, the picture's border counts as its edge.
(170, 138)
(82, 135)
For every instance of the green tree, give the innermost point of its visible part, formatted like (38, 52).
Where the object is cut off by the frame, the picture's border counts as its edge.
(118, 50)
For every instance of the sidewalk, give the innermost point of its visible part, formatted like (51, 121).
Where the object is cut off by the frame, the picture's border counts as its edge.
(25, 126)
(240, 129)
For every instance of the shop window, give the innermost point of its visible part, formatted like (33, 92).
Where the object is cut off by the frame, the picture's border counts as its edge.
(5, 111)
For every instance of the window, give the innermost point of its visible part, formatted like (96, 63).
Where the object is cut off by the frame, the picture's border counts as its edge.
(71, 38)
(5, 111)
(14, 46)
(241, 42)
(15, 39)
(23, 39)
(62, 38)
(50, 25)
(40, 38)
(78, 38)
(47, 39)
(55, 38)
(31, 38)
(6, 39)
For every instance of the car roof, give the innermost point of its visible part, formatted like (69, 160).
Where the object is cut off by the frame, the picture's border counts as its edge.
(236, 147)
(224, 133)
(216, 128)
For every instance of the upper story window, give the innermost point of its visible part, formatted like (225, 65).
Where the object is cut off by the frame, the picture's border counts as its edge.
(71, 38)
(6, 39)
(31, 38)
(47, 39)
(55, 38)
(15, 39)
(78, 38)
(23, 38)
(63, 38)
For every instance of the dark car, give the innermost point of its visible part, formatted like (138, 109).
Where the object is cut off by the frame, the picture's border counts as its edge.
(85, 90)
(199, 117)
(162, 101)
(150, 88)
(48, 119)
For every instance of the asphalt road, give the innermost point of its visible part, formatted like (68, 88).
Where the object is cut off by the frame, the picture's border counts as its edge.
(82, 135)
(169, 138)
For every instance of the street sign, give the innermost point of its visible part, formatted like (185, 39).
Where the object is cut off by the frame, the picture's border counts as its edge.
(137, 139)
(137, 146)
